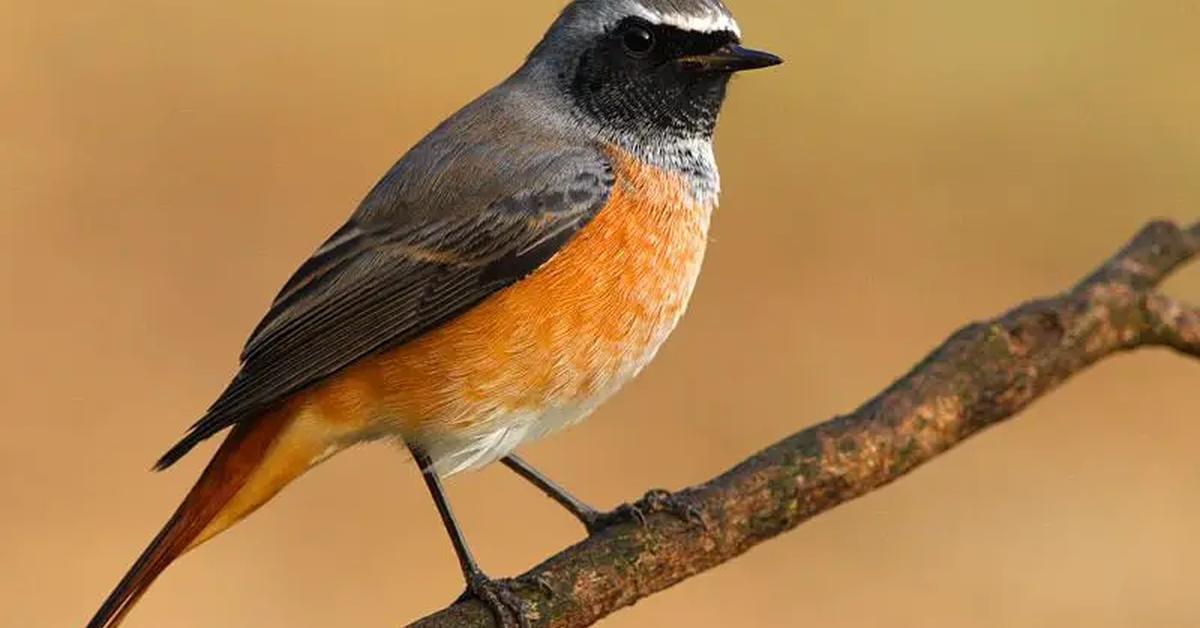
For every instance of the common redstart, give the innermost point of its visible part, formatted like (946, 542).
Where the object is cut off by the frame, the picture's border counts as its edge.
(512, 271)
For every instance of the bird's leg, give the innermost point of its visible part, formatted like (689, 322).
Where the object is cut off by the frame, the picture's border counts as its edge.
(498, 595)
(588, 516)
(594, 520)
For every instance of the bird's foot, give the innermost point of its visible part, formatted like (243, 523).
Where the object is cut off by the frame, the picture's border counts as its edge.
(501, 598)
(680, 506)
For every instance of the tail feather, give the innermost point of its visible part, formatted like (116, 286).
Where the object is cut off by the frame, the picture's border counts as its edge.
(214, 503)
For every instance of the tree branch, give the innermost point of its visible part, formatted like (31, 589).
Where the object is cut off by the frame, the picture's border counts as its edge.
(982, 375)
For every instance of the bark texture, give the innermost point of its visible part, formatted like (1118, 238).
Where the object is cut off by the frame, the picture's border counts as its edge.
(985, 373)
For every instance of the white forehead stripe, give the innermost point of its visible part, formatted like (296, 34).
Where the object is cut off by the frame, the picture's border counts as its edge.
(709, 23)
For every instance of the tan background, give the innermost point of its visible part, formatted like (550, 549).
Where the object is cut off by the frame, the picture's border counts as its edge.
(917, 164)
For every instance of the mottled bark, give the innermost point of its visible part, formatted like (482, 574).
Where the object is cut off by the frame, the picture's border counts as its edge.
(982, 375)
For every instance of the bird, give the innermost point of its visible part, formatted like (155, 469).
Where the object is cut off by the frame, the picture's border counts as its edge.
(507, 275)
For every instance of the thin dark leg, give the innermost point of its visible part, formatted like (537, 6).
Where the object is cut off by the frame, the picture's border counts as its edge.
(497, 595)
(585, 514)
(594, 520)
(465, 560)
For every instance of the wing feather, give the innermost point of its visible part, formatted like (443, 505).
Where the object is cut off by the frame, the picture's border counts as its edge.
(398, 269)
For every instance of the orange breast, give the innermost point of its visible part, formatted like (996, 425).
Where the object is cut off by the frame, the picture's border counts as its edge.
(565, 336)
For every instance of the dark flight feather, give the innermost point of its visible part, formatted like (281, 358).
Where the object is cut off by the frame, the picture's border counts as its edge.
(447, 227)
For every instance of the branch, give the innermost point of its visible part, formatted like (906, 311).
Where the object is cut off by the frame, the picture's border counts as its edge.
(982, 375)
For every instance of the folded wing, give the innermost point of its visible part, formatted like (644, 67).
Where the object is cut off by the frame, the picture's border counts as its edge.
(446, 228)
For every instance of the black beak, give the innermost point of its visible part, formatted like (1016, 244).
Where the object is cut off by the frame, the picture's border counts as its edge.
(731, 58)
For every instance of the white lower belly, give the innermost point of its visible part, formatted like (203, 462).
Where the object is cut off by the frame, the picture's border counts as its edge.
(494, 439)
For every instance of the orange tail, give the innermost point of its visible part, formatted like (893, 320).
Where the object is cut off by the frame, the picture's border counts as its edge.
(257, 459)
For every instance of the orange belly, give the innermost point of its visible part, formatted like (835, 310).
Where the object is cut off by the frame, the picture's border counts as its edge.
(544, 352)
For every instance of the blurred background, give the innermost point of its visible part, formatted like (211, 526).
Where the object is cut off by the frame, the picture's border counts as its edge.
(164, 166)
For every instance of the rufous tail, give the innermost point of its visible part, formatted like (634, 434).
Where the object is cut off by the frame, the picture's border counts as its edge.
(257, 459)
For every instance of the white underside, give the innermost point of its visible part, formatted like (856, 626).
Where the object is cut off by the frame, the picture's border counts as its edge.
(496, 438)
(477, 449)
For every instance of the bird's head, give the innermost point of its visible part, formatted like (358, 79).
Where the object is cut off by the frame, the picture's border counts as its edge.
(645, 68)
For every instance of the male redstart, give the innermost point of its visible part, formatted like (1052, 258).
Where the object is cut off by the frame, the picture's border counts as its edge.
(506, 276)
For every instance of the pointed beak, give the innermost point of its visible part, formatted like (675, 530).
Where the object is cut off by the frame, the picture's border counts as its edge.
(731, 58)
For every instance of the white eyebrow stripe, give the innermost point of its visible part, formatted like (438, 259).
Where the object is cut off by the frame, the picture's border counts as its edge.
(710, 23)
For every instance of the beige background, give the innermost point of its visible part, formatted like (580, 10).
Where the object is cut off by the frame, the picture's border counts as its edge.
(916, 165)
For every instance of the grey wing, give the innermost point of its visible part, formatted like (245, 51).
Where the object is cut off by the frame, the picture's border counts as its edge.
(396, 271)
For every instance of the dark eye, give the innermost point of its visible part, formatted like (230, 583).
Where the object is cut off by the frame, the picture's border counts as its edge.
(638, 41)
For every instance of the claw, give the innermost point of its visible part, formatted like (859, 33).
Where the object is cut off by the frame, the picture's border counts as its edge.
(544, 585)
(655, 501)
(663, 501)
(508, 608)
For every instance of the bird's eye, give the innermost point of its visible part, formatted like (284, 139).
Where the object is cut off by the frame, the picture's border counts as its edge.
(638, 41)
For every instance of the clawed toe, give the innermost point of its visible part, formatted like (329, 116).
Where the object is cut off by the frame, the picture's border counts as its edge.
(674, 504)
(509, 608)
(655, 501)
